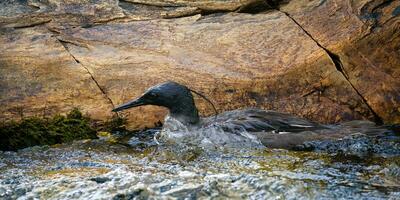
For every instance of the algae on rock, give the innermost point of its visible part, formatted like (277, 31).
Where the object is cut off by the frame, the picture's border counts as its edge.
(45, 131)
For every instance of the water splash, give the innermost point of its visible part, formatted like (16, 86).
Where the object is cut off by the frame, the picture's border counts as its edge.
(96, 169)
(219, 135)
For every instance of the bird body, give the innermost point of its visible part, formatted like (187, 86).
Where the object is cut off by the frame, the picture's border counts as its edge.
(183, 123)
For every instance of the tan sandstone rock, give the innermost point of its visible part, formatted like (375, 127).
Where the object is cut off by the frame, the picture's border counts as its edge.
(39, 78)
(269, 60)
(366, 37)
(205, 5)
(237, 60)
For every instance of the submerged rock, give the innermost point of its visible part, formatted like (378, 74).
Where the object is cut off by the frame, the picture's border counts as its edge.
(100, 180)
(358, 145)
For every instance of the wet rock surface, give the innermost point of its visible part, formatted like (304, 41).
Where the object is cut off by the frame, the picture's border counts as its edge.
(102, 169)
(60, 54)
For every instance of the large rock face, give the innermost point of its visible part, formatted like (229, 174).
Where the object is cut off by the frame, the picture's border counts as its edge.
(38, 77)
(65, 53)
(365, 36)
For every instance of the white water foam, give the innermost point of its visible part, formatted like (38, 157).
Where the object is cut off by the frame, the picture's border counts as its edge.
(214, 135)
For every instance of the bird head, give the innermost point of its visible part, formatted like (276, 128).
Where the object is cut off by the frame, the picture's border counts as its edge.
(174, 96)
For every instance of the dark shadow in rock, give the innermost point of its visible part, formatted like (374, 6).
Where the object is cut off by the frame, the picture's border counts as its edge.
(100, 180)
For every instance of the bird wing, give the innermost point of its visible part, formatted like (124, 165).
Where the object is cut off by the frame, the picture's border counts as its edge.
(256, 120)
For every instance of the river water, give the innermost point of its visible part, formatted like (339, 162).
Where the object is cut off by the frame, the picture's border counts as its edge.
(356, 167)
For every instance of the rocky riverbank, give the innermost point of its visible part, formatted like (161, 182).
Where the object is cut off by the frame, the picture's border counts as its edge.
(102, 169)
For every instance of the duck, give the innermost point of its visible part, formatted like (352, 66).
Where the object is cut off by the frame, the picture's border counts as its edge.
(232, 127)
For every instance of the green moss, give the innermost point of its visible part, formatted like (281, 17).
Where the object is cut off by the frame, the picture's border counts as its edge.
(113, 125)
(38, 131)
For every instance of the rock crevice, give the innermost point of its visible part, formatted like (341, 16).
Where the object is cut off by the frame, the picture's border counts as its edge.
(64, 44)
(339, 67)
(33, 24)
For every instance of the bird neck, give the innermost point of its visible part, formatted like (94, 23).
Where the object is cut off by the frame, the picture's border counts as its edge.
(187, 115)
